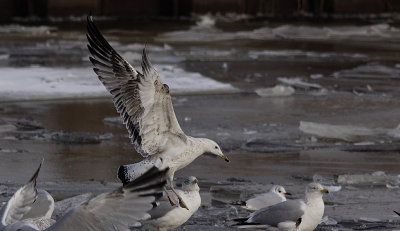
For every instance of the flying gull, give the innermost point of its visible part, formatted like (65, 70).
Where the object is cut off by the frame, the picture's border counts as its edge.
(285, 215)
(164, 218)
(145, 106)
(115, 210)
(275, 195)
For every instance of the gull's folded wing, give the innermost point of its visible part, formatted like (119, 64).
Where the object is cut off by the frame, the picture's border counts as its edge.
(289, 210)
(20, 203)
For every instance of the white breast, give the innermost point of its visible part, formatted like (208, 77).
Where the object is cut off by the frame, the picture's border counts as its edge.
(177, 216)
(312, 215)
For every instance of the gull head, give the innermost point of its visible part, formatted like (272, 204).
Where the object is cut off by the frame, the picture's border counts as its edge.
(280, 190)
(315, 190)
(190, 184)
(212, 148)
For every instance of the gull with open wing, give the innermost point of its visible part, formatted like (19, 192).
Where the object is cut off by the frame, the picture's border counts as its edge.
(145, 105)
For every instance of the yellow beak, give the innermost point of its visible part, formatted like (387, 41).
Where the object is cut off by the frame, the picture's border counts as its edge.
(225, 158)
(326, 191)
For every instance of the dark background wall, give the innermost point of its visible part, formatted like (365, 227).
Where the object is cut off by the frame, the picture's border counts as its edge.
(178, 8)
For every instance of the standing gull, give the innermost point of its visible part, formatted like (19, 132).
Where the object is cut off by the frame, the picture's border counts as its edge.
(115, 210)
(275, 195)
(145, 106)
(285, 215)
(28, 204)
(164, 218)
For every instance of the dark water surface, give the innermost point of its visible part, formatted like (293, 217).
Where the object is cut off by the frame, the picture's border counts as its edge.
(356, 67)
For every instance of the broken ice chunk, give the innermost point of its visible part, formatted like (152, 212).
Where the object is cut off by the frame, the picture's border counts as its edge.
(277, 91)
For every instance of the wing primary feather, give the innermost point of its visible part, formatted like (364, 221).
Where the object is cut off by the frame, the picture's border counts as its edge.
(97, 54)
(95, 45)
(146, 65)
(97, 63)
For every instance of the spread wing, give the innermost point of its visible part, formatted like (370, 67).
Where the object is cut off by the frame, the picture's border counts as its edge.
(116, 210)
(290, 210)
(143, 101)
(20, 203)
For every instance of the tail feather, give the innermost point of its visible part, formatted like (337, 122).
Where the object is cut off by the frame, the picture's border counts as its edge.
(131, 172)
(123, 174)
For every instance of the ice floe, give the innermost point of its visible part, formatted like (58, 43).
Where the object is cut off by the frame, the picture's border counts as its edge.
(28, 30)
(378, 178)
(36, 83)
(277, 91)
(298, 82)
(206, 31)
(369, 71)
(349, 133)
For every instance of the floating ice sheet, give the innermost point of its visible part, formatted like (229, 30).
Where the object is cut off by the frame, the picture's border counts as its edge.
(28, 30)
(33, 83)
(205, 31)
(348, 132)
(370, 71)
(378, 178)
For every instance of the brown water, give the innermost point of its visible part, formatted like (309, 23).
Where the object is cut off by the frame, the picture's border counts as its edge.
(224, 118)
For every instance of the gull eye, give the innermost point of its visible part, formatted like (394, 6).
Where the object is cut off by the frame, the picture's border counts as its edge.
(216, 147)
(279, 191)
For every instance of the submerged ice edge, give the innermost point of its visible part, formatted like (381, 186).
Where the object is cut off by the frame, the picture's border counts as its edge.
(44, 83)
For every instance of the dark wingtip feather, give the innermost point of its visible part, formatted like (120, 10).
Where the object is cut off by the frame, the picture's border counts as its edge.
(36, 174)
(89, 18)
(396, 212)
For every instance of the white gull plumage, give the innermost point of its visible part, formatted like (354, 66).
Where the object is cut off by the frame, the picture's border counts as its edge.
(145, 106)
(115, 210)
(28, 204)
(164, 218)
(275, 195)
(285, 215)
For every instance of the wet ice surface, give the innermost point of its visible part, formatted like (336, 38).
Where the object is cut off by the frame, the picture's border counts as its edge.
(341, 78)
